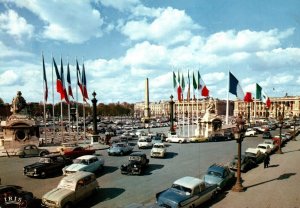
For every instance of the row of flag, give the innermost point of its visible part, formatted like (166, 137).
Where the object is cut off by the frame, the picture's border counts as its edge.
(66, 93)
(198, 85)
(236, 89)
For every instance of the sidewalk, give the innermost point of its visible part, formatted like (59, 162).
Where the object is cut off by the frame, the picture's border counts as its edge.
(275, 187)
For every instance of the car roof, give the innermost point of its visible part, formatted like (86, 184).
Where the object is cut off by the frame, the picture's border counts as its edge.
(188, 181)
(217, 168)
(77, 176)
(137, 154)
(86, 157)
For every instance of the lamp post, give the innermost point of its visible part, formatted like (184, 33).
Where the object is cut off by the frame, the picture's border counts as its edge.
(95, 133)
(248, 106)
(238, 135)
(172, 130)
(280, 122)
(294, 134)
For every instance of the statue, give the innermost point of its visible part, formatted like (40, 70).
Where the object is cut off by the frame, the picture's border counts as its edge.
(18, 104)
(211, 106)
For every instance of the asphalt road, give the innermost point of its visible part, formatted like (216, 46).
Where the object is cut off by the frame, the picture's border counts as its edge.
(119, 190)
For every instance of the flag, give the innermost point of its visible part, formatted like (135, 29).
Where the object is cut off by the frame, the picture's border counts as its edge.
(248, 97)
(194, 86)
(64, 94)
(182, 86)
(261, 95)
(174, 81)
(69, 82)
(234, 87)
(266, 99)
(83, 82)
(189, 88)
(202, 87)
(79, 78)
(179, 93)
(59, 86)
(45, 81)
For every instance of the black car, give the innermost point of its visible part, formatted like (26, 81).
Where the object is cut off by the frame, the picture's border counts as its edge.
(267, 135)
(15, 196)
(219, 137)
(247, 163)
(136, 165)
(49, 164)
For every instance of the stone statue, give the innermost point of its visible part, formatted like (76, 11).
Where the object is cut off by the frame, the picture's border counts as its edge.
(211, 106)
(18, 104)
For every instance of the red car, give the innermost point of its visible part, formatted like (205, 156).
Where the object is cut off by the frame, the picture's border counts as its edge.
(77, 152)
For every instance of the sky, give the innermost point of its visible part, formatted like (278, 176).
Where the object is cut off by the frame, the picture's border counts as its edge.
(123, 42)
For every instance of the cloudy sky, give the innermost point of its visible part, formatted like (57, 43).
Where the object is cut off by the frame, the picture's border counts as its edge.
(122, 42)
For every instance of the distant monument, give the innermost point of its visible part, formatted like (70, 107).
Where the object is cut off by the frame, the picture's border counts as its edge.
(147, 108)
(19, 128)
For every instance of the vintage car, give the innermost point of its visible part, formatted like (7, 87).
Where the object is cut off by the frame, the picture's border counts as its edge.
(264, 148)
(48, 164)
(176, 138)
(266, 135)
(30, 150)
(70, 190)
(247, 163)
(120, 148)
(67, 146)
(186, 192)
(250, 132)
(90, 163)
(198, 139)
(218, 138)
(219, 175)
(144, 142)
(158, 150)
(255, 154)
(137, 163)
(15, 196)
(77, 152)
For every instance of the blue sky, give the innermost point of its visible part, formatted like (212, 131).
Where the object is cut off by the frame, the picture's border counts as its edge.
(122, 42)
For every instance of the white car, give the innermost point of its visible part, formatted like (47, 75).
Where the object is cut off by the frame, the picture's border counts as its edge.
(144, 142)
(89, 163)
(264, 148)
(176, 138)
(158, 150)
(250, 132)
(271, 143)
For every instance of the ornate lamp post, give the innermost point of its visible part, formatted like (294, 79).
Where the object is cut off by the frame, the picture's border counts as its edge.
(95, 133)
(294, 134)
(239, 131)
(172, 130)
(280, 122)
(248, 107)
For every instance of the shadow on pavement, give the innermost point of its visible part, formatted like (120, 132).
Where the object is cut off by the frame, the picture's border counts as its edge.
(151, 167)
(273, 166)
(281, 177)
(219, 197)
(106, 170)
(170, 155)
(291, 151)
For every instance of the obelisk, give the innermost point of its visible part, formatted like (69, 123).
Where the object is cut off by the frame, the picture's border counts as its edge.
(147, 109)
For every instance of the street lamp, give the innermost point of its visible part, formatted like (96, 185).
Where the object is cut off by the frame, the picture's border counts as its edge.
(172, 130)
(280, 122)
(238, 132)
(294, 134)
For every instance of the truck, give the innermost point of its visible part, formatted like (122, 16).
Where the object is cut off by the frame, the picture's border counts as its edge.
(186, 192)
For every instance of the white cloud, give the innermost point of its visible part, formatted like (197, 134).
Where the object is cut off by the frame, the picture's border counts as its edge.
(214, 77)
(14, 25)
(11, 52)
(74, 22)
(120, 4)
(9, 77)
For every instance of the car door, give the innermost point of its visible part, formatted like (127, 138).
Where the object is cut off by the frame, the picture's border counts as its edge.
(27, 150)
(34, 150)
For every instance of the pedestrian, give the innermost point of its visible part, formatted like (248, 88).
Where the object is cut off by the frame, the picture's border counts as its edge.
(266, 161)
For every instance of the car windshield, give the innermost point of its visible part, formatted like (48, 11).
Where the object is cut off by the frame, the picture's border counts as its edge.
(213, 173)
(262, 147)
(45, 160)
(159, 146)
(134, 158)
(80, 161)
(181, 188)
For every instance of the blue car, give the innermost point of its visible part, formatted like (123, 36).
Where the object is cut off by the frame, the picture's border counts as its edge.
(120, 148)
(219, 175)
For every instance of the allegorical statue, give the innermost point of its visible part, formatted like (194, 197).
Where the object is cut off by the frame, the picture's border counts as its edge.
(18, 104)
(211, 108)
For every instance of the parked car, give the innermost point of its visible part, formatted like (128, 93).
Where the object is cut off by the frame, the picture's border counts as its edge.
(198, 139)
(158, 150)
(31, 150)
(218, 138)
(15, 196)
(67, 146)
(247, 163)
(250, 132)
(70, 190)
(120, 148)
(78, 151)
(137, 163)
(176, 138)
(264, 148)
(90, 163)
(272, 144)
(266, 135)
(144, 142)
(186, 192)
(256, 154)
(47, 165)
(219, 175)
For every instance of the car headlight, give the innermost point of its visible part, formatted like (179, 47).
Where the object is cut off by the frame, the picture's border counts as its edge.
(35, 170)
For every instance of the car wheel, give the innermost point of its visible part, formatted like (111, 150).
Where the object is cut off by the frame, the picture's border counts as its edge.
(43, 174)
(180, 141)
(121, 153)
(43, 154)
(22, 156)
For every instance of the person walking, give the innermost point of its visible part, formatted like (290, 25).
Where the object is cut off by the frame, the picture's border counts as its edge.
(267, 160)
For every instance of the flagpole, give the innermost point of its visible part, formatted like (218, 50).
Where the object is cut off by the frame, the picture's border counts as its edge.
(53, 115)
(44, 88)
(83, 105)
(227, 103)
(77, 115)
(69, 105)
